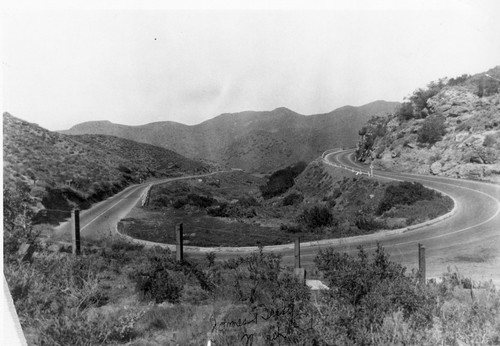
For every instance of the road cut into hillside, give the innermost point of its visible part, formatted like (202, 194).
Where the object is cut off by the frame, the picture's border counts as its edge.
(466, 240)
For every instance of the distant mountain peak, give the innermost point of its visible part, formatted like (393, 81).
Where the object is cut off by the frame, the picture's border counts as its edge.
(253, 140)
(283, 109)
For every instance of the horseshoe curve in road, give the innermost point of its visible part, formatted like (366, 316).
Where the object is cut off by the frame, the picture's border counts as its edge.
(469, 239)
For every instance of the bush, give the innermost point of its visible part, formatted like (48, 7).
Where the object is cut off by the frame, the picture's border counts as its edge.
(368, 223)
(419, 97)
(249, 201)
(179, 203)
(220, 210)
(17, 220)
(293, 199)
(404, 193)
(161, 278)
(364, 291)
(490, 140)
(432, 130)
(231, 210)
(487, 86)
(159, 285)
(281, 180)
(200, 201)
(158, 280)
(291, 228)
(458, 80)
(315, 217)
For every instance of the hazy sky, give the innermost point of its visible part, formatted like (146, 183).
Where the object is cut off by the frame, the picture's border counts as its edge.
(62, 66)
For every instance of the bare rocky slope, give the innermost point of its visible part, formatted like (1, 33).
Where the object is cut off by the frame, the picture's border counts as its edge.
(452, 128)
(254, 141)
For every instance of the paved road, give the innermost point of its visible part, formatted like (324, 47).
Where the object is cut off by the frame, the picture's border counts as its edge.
(468, 240)
(100, 220)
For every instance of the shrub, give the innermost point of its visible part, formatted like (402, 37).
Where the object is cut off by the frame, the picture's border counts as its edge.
(161, 278)
(487, 86)
(220, 210)
(462, 126)
(403, 193)
(419, 97)
(249, 201)
(160, 201)
(156, 280)
(231, 210)
(74, 329)
(200, 201)
(281, 180)
(179, 202)
(458, 80)
(210, 256)
(489, 141)
(17, 220)
(291, 228)
(159, 286)
(368, 223)
(368, 290)
(292, 199)
(432, 130)
(317, 216)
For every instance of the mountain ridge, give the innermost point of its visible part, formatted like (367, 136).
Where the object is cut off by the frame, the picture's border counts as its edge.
(233, 139)
(62, 171)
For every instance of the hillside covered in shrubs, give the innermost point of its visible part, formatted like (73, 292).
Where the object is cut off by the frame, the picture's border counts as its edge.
(119, 293)
(239, 209)
(63, 171)
(122, 294)
(449, 128)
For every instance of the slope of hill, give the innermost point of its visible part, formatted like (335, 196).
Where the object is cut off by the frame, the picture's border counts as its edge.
(254, 141)
(64, 170)
(451, 128)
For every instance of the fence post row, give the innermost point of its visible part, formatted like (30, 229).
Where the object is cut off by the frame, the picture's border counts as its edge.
(75, 235)
(179, 250)
(421, 263)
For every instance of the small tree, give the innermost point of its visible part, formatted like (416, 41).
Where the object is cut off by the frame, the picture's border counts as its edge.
(315, 217)
(432, 130)
(405, 111)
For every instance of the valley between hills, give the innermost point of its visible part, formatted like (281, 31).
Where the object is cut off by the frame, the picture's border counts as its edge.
(245, 186)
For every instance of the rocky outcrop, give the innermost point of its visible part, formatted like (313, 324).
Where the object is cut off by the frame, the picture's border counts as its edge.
(469, 148)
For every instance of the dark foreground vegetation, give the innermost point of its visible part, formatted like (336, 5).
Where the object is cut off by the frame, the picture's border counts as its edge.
(120, 293)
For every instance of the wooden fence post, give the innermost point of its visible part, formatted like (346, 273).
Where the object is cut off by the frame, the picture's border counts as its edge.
(299, 272)
(75, 236)
(179, 250)
(297, 252)
(421, 263)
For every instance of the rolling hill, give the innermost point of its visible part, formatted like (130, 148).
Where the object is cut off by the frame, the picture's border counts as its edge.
(255, 141)
(63, 170)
